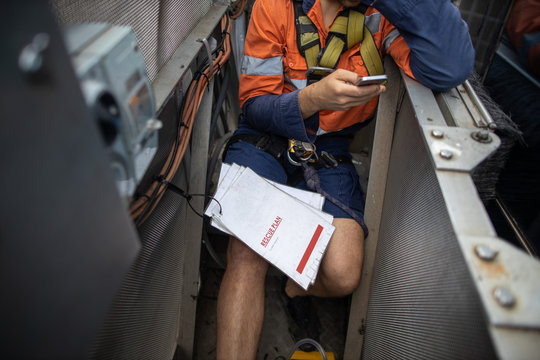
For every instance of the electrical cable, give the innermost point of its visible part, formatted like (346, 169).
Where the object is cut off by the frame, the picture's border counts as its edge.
(211, 168)
(225, 85)
(220, 144)
(142, 206)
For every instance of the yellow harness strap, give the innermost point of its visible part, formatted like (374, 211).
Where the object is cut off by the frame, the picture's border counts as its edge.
(347, 30)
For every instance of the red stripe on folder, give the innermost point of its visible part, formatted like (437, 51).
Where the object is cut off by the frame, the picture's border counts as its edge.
(309, 249)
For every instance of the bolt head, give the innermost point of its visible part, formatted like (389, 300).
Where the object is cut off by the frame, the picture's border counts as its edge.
(504, 297)
(486, 253)
(154, 124)
(30, 60)
(446, 154)
(438, 134)
(482, 136)
(31, 56)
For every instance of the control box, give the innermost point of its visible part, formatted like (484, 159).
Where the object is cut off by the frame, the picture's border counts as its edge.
(112, 73)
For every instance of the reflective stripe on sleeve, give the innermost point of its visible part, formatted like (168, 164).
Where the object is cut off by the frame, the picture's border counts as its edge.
(373, 22)
(392, 35)
(255, 66)
(298, 84)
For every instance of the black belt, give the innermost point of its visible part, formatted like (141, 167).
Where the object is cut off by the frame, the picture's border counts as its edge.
(277, 146)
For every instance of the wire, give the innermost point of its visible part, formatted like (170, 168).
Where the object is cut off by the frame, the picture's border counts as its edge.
(187, 195)
(143, 206)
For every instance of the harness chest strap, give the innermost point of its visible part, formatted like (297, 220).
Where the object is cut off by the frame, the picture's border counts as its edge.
(347, 30)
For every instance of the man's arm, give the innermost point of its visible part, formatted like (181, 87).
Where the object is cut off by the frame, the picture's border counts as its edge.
(441, 51)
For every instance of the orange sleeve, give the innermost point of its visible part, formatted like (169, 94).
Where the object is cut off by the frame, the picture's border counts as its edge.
(262, 66)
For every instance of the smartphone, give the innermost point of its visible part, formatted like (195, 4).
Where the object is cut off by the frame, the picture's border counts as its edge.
(319, 70)
(370, 80)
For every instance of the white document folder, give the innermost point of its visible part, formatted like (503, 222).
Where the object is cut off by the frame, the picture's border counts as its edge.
(287, 232)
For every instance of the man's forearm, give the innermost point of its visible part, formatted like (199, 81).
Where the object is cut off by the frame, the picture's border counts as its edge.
(442, 54)
(307, 102)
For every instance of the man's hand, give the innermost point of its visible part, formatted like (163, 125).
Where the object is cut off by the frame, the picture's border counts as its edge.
(336, 92)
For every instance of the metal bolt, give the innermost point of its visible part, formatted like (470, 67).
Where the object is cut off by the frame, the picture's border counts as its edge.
(438, 134)
(504, 297)
(482, 136)
(485, 252)
(446, 154)
(31, 58)
(154, 124)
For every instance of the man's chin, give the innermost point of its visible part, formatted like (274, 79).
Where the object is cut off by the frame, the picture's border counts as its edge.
(350, 3)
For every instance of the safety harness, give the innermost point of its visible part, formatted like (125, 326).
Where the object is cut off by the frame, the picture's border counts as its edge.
(348, 29)
(305, 156)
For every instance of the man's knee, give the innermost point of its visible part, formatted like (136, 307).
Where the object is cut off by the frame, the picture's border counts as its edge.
(342, 267)
(245, 262)
(342, 279)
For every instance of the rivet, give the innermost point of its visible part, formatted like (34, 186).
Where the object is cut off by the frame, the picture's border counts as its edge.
(438, 134)
(446, 154)
(485, 252)
(504, 297)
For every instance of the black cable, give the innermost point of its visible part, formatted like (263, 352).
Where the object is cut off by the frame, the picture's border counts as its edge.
(220, 143)
(196, 78)
(222, 94)
(187, 195)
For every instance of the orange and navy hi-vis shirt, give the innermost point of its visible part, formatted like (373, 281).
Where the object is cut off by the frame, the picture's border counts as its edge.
(273, 70)
(273, 64)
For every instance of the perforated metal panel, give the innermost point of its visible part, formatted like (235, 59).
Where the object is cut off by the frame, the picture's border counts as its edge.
(423, 303)
(160, 25)
(144, 318)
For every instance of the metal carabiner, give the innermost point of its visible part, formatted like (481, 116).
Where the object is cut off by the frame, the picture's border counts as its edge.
(303, 152)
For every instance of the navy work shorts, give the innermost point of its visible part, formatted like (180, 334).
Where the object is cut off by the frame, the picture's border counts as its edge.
(341, 182)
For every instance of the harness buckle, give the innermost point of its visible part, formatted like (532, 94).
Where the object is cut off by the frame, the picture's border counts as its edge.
(328, 160)
(301, 151)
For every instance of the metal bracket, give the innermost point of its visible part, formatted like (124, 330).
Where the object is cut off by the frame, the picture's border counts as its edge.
(459, 149)
(507, 279)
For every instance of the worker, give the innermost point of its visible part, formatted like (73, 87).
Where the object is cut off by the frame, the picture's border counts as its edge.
(523, 29)
(426, 38)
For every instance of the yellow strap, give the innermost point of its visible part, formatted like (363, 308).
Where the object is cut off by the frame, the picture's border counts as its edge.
(340, 25)
(332, 52)
(370, 54)
(311, 55)
(304, 19)
(355, 28)
(351, 26)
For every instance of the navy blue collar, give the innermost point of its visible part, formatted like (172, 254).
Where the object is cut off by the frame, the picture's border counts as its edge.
(307, 5)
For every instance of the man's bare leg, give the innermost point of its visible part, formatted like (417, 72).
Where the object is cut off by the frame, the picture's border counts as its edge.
(240, 308)
(341, 266)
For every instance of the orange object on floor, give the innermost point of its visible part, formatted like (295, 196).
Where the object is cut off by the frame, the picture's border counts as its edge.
(312, 355)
